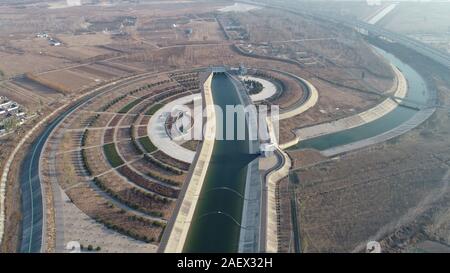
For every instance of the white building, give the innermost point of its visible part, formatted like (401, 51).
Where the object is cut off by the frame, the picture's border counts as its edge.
(5, 104)
(267, 149)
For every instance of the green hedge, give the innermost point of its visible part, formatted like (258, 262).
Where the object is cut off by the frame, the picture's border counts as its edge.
(147, 144)
(130, 105)
(154, 109)
(164, 166)
(111, 154)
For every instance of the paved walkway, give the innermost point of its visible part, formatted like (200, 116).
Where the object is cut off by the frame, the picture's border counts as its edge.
(269, 89)
(158, 135)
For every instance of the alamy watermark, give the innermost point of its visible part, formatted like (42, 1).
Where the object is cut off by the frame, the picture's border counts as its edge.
(190, 121)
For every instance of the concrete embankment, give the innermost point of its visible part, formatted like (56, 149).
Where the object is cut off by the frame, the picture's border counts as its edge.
(416, 120)
(177, 230)
(251, 216)
(313, 97)
(367, 116)
(270, 221)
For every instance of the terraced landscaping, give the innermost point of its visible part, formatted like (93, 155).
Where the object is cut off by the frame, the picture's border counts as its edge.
(105, 165)
(112, 155)
(147, 144)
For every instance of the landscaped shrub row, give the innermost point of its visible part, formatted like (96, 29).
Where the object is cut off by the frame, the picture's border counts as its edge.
(86, 162)
(136, 118)
(112, 155)
(133, 141)
(158, 105)
(92, 120)
(124, 231)
(115, 121)
(279, 83)
(136, 199)
(189, 82)
(136, 146)
(162, 165)
(147, 144)
(154, 109)
(111, 103)
(84, 137)
(163, 179)
(184, 76)
(150, 85)
(168, 92)
(130, 105)
(132, 134)
(161, 156)
(147, 184)
(116, 100)
(253, 87)
(109, 135)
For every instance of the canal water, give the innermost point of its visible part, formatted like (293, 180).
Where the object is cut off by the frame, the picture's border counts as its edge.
(417, 92)
(215, 226)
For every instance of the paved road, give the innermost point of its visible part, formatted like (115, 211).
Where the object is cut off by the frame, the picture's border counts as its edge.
(30, 185)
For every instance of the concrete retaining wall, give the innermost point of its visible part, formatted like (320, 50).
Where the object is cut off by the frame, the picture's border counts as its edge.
(310, 102)
(271, 221)
(271, 208)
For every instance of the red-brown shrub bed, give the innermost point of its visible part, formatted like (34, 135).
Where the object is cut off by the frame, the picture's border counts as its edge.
(147, 184)
(115, 218)
(133, 197)
(142, 131)
(144, 120)
(108, 137)
(115, 120)
(161, 156)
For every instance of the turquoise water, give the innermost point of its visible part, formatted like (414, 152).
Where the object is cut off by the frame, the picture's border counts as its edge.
(215, 226)
(417, 92)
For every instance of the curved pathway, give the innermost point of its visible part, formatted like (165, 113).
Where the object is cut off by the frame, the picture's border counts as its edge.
(269, 89)
(158, 135)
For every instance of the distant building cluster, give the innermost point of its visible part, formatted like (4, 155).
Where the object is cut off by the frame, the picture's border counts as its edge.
(12, 114)
(52, 41)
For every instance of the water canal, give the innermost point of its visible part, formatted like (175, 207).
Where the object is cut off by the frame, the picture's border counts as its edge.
(417, 92)
(216, 224)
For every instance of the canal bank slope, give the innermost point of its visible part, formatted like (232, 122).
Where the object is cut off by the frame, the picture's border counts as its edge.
(178, 229)
(417, 105)
(217, 221)
(367, 116)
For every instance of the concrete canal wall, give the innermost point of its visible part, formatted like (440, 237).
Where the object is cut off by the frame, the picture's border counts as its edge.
(179, 228)
(367, 116)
